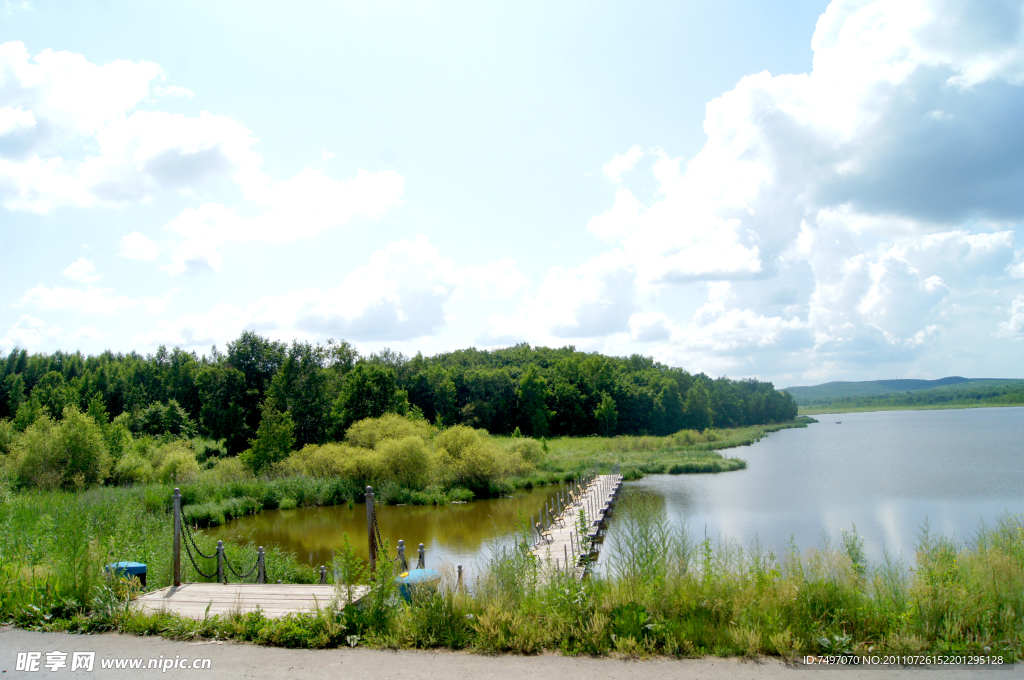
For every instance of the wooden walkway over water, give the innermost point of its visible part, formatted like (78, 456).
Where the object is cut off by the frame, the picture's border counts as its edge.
(199, 600)
(572, 526)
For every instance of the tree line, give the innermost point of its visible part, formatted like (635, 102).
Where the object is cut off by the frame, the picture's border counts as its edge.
(325, 388)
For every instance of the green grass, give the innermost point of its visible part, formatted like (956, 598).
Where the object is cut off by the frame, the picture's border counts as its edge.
(665, 593)
(687, 451)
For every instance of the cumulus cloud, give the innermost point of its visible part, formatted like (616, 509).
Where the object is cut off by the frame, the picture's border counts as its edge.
(593, 300)
(137, 246)
(71, 134)
(622, 162)
(29, 332)
(1014, 326)
(857, 214)
(400, 294)
(82, 270)
(301, 207)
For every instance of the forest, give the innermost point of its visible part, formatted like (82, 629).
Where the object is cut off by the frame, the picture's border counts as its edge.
(325, 388)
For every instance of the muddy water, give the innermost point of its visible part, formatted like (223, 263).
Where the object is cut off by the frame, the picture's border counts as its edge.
(455, 533)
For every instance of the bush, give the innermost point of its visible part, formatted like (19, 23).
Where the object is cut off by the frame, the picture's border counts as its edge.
(178, 466)
(405, 461)
(7, 435)
(229, 470)
(468, 458)
(69, 454)
(274, 439)
(528, 449)
(133, 469)
(370, 432)
(328, 460)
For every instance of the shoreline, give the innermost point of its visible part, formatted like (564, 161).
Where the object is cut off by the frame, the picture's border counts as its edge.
(927, 407)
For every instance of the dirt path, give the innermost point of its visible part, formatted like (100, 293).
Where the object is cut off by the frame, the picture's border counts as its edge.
(229, 660)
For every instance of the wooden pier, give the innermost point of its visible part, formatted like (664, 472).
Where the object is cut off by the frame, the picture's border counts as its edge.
(572, 525)
(199, 600)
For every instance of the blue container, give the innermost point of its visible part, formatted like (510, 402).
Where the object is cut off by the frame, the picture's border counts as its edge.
(414, 579)
(129, 569)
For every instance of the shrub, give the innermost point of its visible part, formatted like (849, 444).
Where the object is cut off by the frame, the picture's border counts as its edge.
(328, 460)
(68, 454)
(530, 450)
(229, 470)
(178, 466)
(132, 469)
(7, 435)
(467, 457)
(405, 461)
(370, 432)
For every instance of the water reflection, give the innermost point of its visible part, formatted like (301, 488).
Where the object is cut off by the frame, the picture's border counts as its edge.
(456, 533)
(886, 472)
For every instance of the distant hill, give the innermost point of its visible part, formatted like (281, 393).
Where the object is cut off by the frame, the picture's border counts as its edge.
(868, 388)
(881, 394)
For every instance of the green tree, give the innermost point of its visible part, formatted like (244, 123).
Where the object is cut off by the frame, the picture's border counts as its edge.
(606, 415)
(51, 391)
(222, 392)
(368, 391)
(274, 440)
(698, 407)
(533, 395)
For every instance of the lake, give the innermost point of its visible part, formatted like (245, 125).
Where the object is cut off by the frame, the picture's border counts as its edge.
(885, 472)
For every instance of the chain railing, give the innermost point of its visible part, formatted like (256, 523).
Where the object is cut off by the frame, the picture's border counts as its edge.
(258, 569)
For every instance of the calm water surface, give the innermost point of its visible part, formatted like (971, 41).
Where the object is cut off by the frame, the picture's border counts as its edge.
(885, 472)
(456, 533)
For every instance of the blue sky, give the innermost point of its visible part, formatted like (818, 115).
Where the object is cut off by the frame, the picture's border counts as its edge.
(796, 191)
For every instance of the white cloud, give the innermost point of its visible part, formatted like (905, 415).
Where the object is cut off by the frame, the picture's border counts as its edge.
(82, 270)
(301, 207)
(137, 246)
(83, 301)
(400, 294)
(28, 333)
(592, 300)
(173, 91)
(621, 163)
(1014, 326)
(863, 212)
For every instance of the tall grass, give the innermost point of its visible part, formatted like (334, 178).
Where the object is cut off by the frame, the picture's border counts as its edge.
(659, 591)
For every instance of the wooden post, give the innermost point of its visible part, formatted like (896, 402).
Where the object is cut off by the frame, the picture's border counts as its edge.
(533, 528)
(220, 562)
(566, 556)
(370, 533)
(176, 549)
(460, 576)
(323, 575)
(401, 556)
(422, 562)
(261, 566)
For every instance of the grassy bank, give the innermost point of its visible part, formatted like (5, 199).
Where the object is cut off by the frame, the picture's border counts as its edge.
(664, 593)
(687, 451)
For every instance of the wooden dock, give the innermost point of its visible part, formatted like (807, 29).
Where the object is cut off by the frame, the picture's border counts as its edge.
(572, 525)
(199, 600)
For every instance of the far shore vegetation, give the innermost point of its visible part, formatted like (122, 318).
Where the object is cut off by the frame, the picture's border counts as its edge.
(973, 394)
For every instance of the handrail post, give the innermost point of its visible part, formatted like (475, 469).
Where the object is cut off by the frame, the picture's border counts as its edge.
(261, 566)
(323, 574)
(220, 562)
(176, 549)
(460, 577)
(422, 562)
(401, 556)
(371, 535)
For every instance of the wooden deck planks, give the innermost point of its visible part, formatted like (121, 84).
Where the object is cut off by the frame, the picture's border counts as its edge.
(558, 541)
(197, 600)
